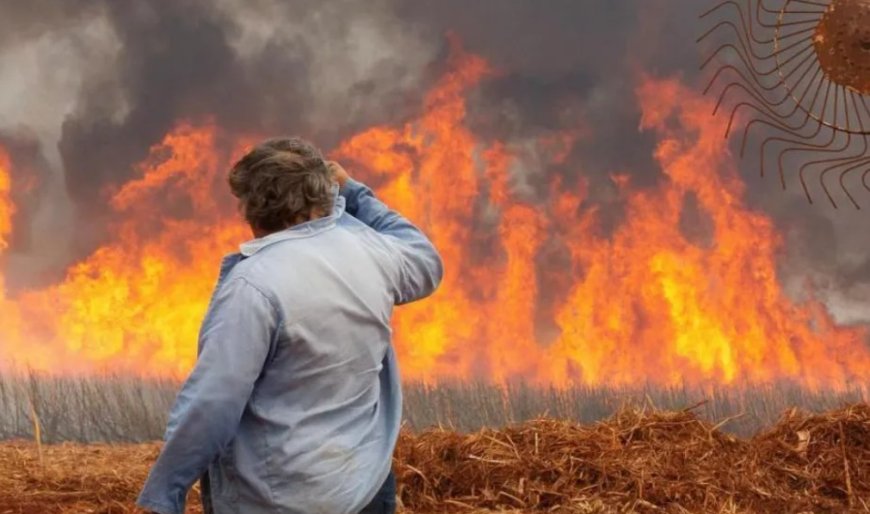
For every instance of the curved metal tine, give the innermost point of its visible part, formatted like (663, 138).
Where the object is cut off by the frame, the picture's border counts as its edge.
(780, 125)
(810, 2)
(860, 155)
(819, 79)
(786, 37)
(865, 137)
(747, 34)
(764, 105)
(755, 91)
(823, 5)
(758, 19)
(807, 146)
(795, 106)
(860, 162)
(766, 89)
(726, 3)
(758, 9)
(853, 164)
(771, 105)
(745, 55)
(865, 176)
(832, 149)
(788, 61)
(782, 79)
(773, 114)
(744, 40)
(865, 129)
(747, 26)
(795, 132)
(840, 162)
(758, 75)
(864, 99)
(777, 13)
(715, 8)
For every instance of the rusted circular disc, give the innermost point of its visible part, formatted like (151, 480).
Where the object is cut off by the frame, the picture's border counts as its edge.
(842, 43)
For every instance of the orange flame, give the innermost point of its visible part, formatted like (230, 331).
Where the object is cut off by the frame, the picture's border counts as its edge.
(652, 300)
(136, 303)
(6, 207)
(644, 304)
(10, 317)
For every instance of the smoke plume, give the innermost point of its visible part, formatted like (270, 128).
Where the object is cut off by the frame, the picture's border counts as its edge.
(93, 85)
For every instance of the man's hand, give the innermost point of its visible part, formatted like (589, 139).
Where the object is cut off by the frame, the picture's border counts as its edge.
(338, 172)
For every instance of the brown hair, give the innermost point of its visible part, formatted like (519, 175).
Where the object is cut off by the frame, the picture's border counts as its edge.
(282, 182)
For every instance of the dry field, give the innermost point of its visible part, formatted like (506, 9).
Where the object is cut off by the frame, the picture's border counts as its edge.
(636, 461)
(123, 409)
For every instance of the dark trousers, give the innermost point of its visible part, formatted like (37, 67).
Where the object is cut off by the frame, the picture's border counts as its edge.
(384, 501)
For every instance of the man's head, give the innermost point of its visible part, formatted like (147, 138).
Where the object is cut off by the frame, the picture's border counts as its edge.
(280, 183)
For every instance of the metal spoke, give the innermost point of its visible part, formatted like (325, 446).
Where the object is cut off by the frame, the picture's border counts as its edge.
(803, 70)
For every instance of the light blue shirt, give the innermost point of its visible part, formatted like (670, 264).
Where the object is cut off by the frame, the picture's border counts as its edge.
(294, 404)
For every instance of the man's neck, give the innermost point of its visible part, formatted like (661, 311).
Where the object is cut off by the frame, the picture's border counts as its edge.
(313, 215)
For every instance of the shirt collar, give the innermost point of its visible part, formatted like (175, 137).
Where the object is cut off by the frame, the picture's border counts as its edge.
(307, 229)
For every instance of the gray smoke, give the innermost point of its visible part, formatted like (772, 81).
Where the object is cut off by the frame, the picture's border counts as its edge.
(98, 82)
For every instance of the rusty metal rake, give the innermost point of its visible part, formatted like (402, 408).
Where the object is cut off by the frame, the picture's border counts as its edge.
(799, 72)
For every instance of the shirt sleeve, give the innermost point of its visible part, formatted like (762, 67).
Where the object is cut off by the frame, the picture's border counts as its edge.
(235, 342)
(420, 266)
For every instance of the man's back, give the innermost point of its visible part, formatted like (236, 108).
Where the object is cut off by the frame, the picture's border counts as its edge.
(295, 403)
(319, 398)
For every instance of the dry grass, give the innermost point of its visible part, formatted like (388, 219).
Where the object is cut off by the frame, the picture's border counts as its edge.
(74, 479)
(647, 462)
(637, 461)
(130, 410)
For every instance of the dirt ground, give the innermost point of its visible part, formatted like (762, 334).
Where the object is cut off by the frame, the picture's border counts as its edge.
(635, 462)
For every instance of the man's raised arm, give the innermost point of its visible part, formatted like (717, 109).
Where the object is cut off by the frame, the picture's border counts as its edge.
(420, 268)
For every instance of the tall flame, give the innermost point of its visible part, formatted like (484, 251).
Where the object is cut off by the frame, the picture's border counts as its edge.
(9, 316)
(6, 207)
(642, 304)
(136, 303)
(651, 299)
(14, 333)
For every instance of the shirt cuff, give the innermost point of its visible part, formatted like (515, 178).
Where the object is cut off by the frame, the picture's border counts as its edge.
(159, 507)
(350, 185)
(350, 191)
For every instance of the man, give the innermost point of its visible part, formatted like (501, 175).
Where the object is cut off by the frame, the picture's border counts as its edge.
(294, 403)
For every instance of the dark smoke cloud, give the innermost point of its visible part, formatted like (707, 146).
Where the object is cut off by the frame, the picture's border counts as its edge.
(28, 174)
(328, 69)
(568, 64)
(176, 61)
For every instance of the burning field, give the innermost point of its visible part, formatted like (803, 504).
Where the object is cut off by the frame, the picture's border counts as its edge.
(638, 461)
(643, 302)
(593, 254)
